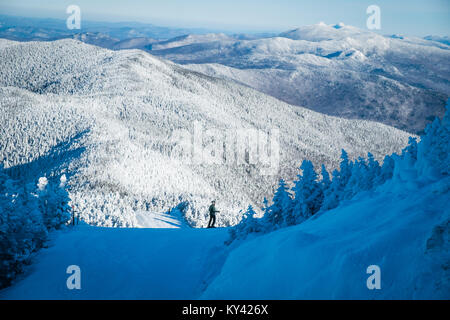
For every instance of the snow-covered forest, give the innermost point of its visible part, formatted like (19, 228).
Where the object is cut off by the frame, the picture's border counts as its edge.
(102, 134)
(28, 212)
(107, 120)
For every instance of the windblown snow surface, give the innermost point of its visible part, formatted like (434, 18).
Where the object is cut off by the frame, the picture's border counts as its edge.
(401, 227)
(111, 121)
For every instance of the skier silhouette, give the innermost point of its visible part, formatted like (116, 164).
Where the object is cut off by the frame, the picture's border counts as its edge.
(212, 214)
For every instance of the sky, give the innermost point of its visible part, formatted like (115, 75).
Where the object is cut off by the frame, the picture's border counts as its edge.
(408, 17)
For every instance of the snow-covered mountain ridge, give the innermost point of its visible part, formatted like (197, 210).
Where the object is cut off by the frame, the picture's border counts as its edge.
(400, 81)
(107, 119)
(397, 80)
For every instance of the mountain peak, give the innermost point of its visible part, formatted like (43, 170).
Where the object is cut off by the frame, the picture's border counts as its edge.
(321, 31)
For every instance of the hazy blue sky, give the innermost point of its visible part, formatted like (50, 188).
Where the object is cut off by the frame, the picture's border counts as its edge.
(412, 17)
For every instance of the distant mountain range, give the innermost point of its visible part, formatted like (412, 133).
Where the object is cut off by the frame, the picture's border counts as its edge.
(337, 70)
(334, 69)
(26, 29)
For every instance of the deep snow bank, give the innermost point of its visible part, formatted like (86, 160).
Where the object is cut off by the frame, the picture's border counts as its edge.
(125, 263)
(402, 229)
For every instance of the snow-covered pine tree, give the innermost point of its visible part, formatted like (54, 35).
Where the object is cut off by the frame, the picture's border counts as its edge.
(373, 171)
(53, 202)
(308, 195)
(249, 224)
(356, 181)
(22, 230)
(335, 193)
(265, 205)
(331, 195)
(404, 169)
(281, 207)
(433, 151)
(385, 172)
(325, 182)
(345, 169)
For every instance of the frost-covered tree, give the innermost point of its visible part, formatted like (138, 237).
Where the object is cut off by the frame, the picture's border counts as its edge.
(248, 224)
(281, 207)
(53, 202)
(433, 151)
(22, 230)
(404, 168)
(326, 181)
(27, 214)
(373, 171)
(411, 149)
(308, 195)
(357, 180)
(331, 195)
(345, 168)
(386, 171)
(265, 206)
(364, 174)
(335, 193)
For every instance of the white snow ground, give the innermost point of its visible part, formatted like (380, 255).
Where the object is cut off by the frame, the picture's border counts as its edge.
(159, 220)
(124, 263)
(401, 227)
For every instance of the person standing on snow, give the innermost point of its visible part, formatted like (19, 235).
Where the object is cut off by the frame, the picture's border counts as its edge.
(212, 214)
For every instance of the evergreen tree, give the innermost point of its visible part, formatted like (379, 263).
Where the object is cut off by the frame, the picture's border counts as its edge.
(335, 193)
(280, 208)
(404, 169)
(265, 207)
(308, 195)
(385, 172)
(411, 149)
(345, 169)
(373, 171)
(433, 152)
(356, 180)
(53, 202)
(248, 224)
(22, 230)
(26, 215)
(325, 182)
(250, 221)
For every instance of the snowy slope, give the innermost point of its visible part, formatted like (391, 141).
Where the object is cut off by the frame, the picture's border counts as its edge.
(107, 119)
(339, 70)
(321, 32)
(402, 230)
(124, 263)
